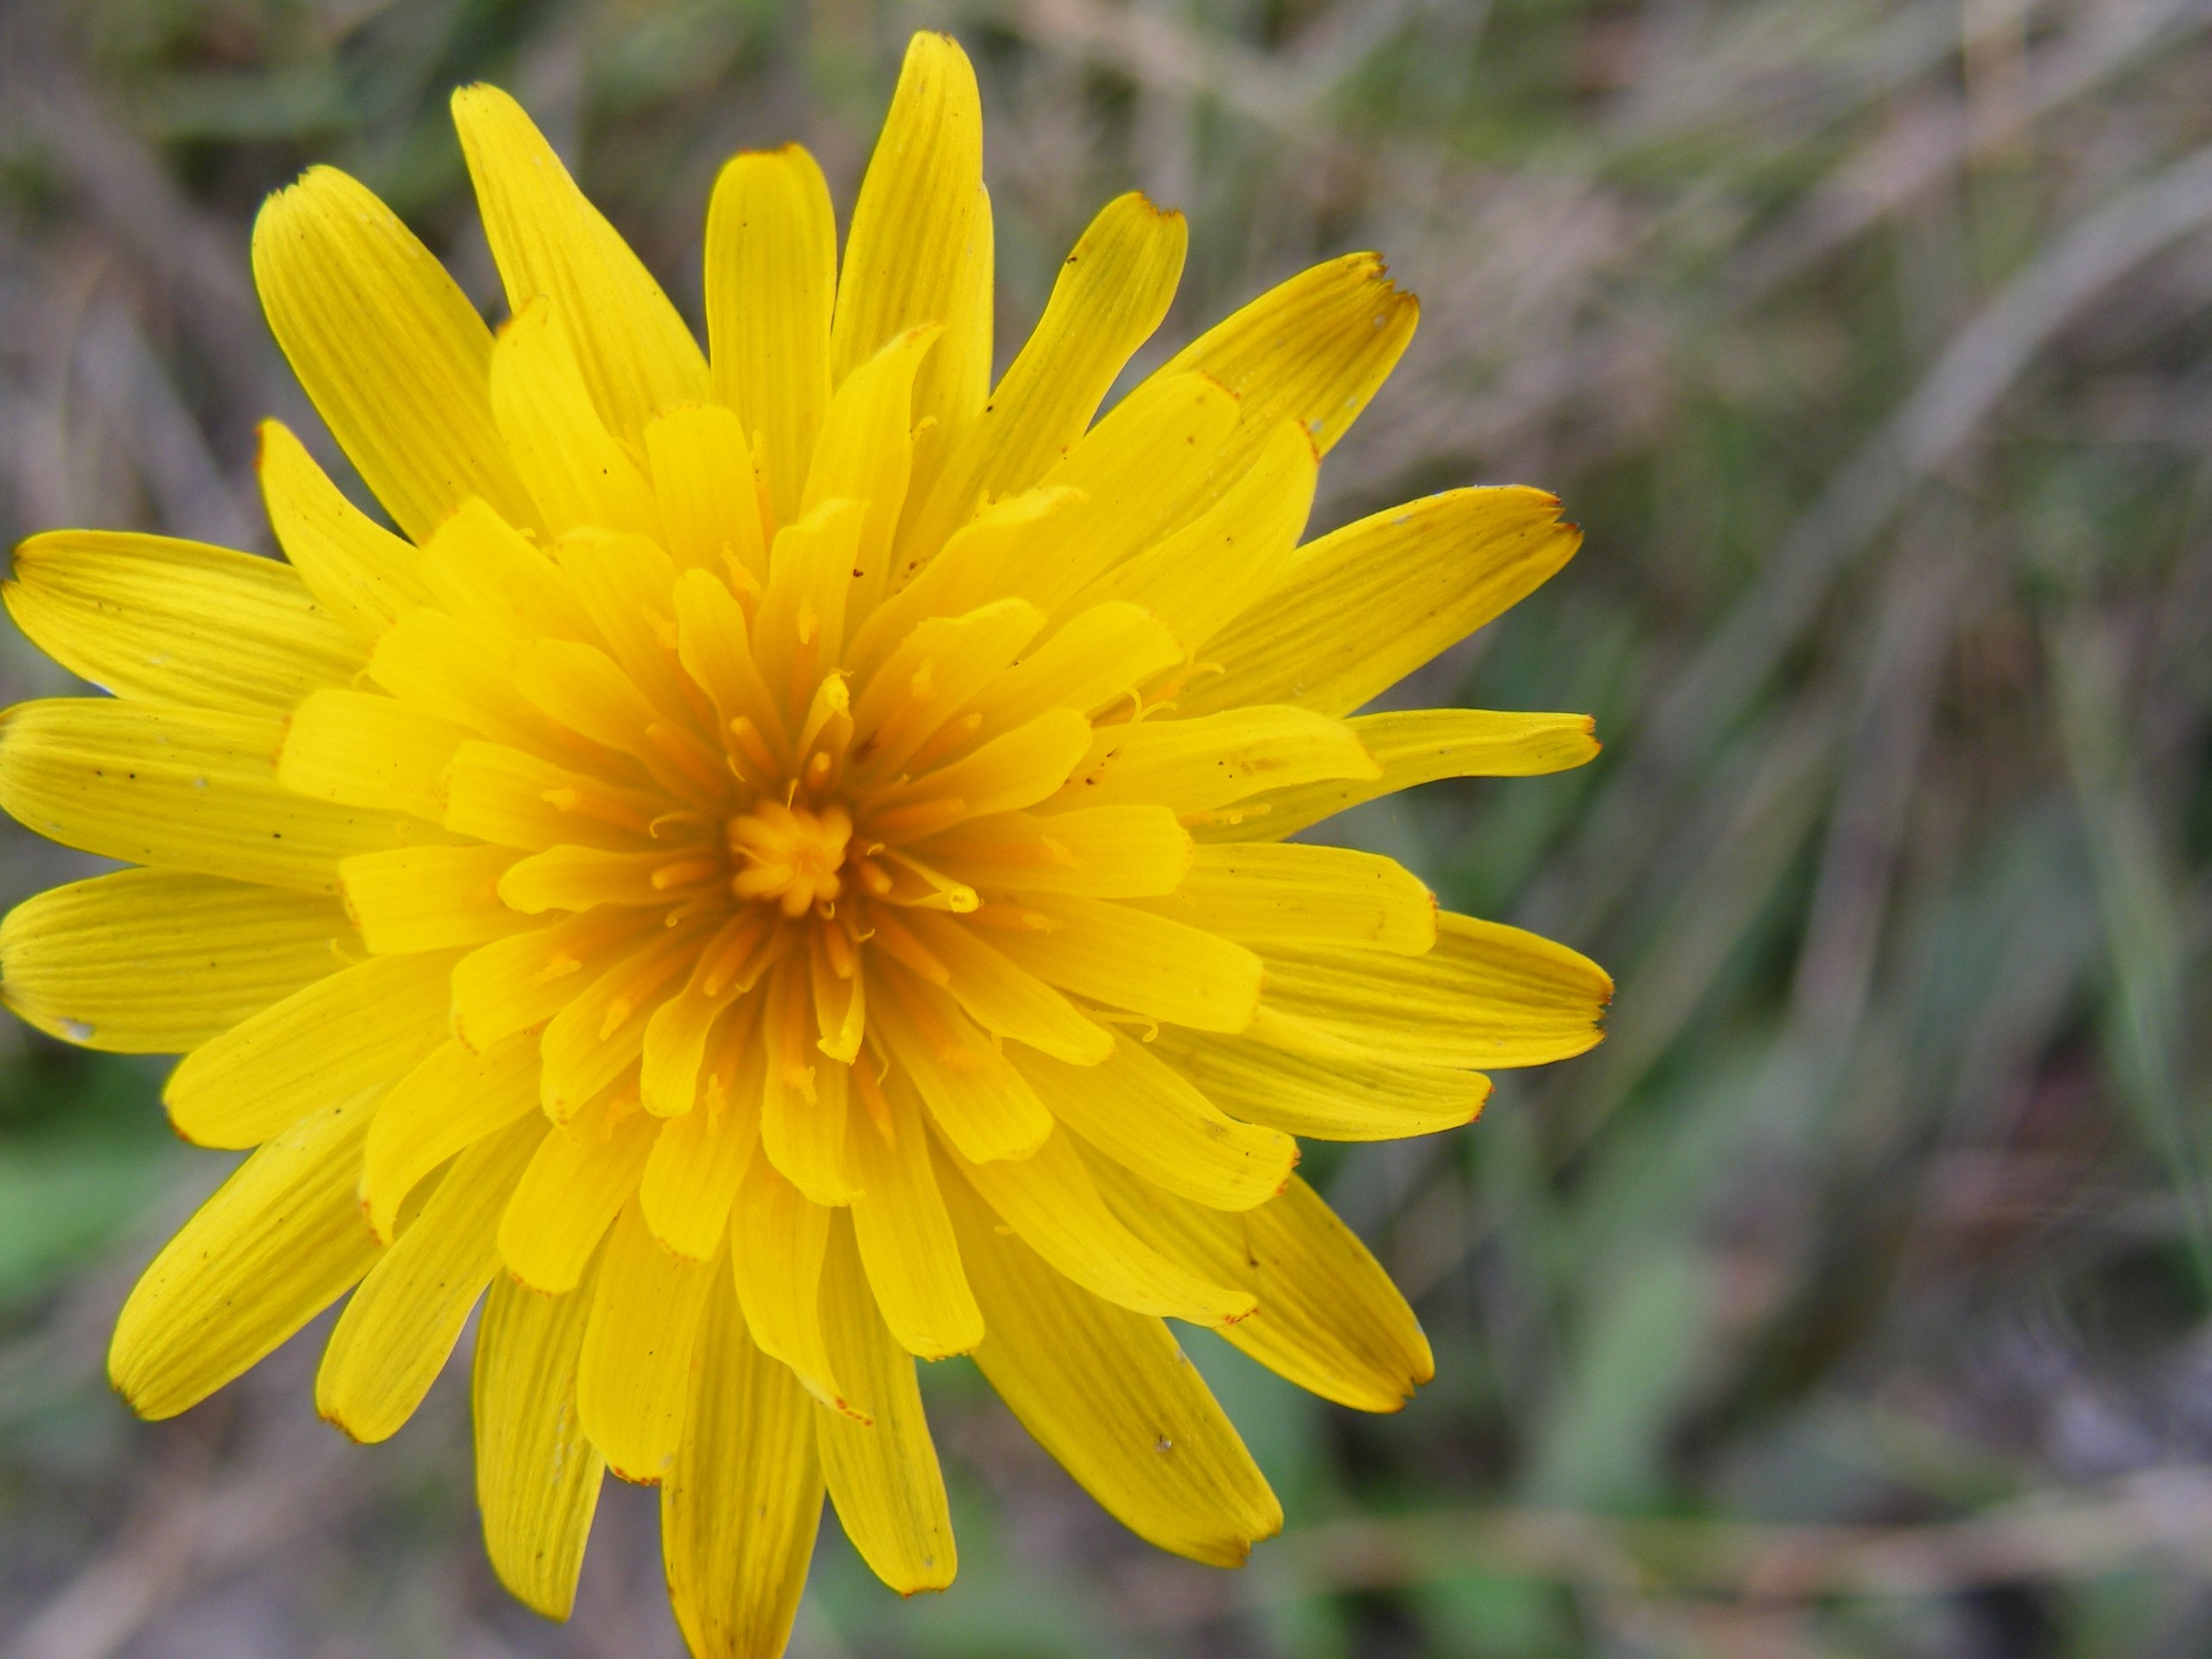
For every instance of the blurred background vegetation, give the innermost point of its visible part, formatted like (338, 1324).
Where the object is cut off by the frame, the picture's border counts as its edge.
(1852, 1299)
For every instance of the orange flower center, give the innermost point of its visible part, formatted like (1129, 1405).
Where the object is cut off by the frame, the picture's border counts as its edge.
(790, 856)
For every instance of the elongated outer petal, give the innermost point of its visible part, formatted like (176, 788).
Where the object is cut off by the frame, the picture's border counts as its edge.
(1201, 764)
(1103, 852)
(635, 1374)
(1109, 1394)
(447, 1103)
(364, 1026)
(883, 1477)
(359, 749)
(1007, 998)
(1302, 895)
(1313, 350)
(706, 482)
(1417, 745)
(537, 1473)
(637, 356)
(865, 452)
(1293, 1076)
(147, 616)
(576, 1183)
(1149, 1117)
(1214, 567)
(573, 465)
(1112, 291)
(278, 1242)
(700, 1159)
(413, 899)
(177, 788)
(905, 1238)
(364, 574)
(919, 227)
(1051, 1205)
(972, 1090)
(143, 962)
(1329, 1319)
(1488, 994)
(388, 346)
(401, 1324)
(772, 285)
(1363, 607)
(1133, 959)
(741, 1503)
(777, 1240)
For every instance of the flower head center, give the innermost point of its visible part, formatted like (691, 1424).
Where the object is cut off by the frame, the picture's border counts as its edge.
(790, 856)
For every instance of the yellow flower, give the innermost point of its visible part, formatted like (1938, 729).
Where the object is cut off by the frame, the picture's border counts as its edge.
(781, 868)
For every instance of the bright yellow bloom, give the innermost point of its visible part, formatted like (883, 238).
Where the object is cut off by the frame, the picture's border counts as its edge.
(781, 868)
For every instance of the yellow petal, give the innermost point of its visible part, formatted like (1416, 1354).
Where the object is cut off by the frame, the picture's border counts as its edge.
(1149, 1118)
(1241, 547)
(777, 1239)
(1415, 747)
(919, 227)
(414, 898)
(387, 345)
(676, 1036)
(431, 661)
(514, 983)
(905, 1238)
(635, 1375)
(1093, 663)
(622, 583)
(799, 629)
(1302, 895)
(705, 484)
(1363, 607)
(449, 1102)
(938, 671)
(973, 1092)
(358, 749)
(865, 452)
(145, 616)
(1025, 767)
(354, 1030)
(1109, 1393)
(602, 1031)
(771, 282)
(1329, 1319)
(637, 356)
(366, 576)
(1488, 994)
(883, 1477)
(700, 1159)
(1332, 1093)
(1134, 960)
(537, 1473)
(178, 788)
(575, 469)
(803, 1106)
(1199, 765)
(1313, 350)
(1099, 852)
(577, 1182)
(741, 1505)
(279, 1241)
(713, 645)
(497, 582)
(142, 962)
(522, 800)
(1140, 471)
(1003, 997)
(1050, 1202)
(401, 1325)
(1111, 293)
